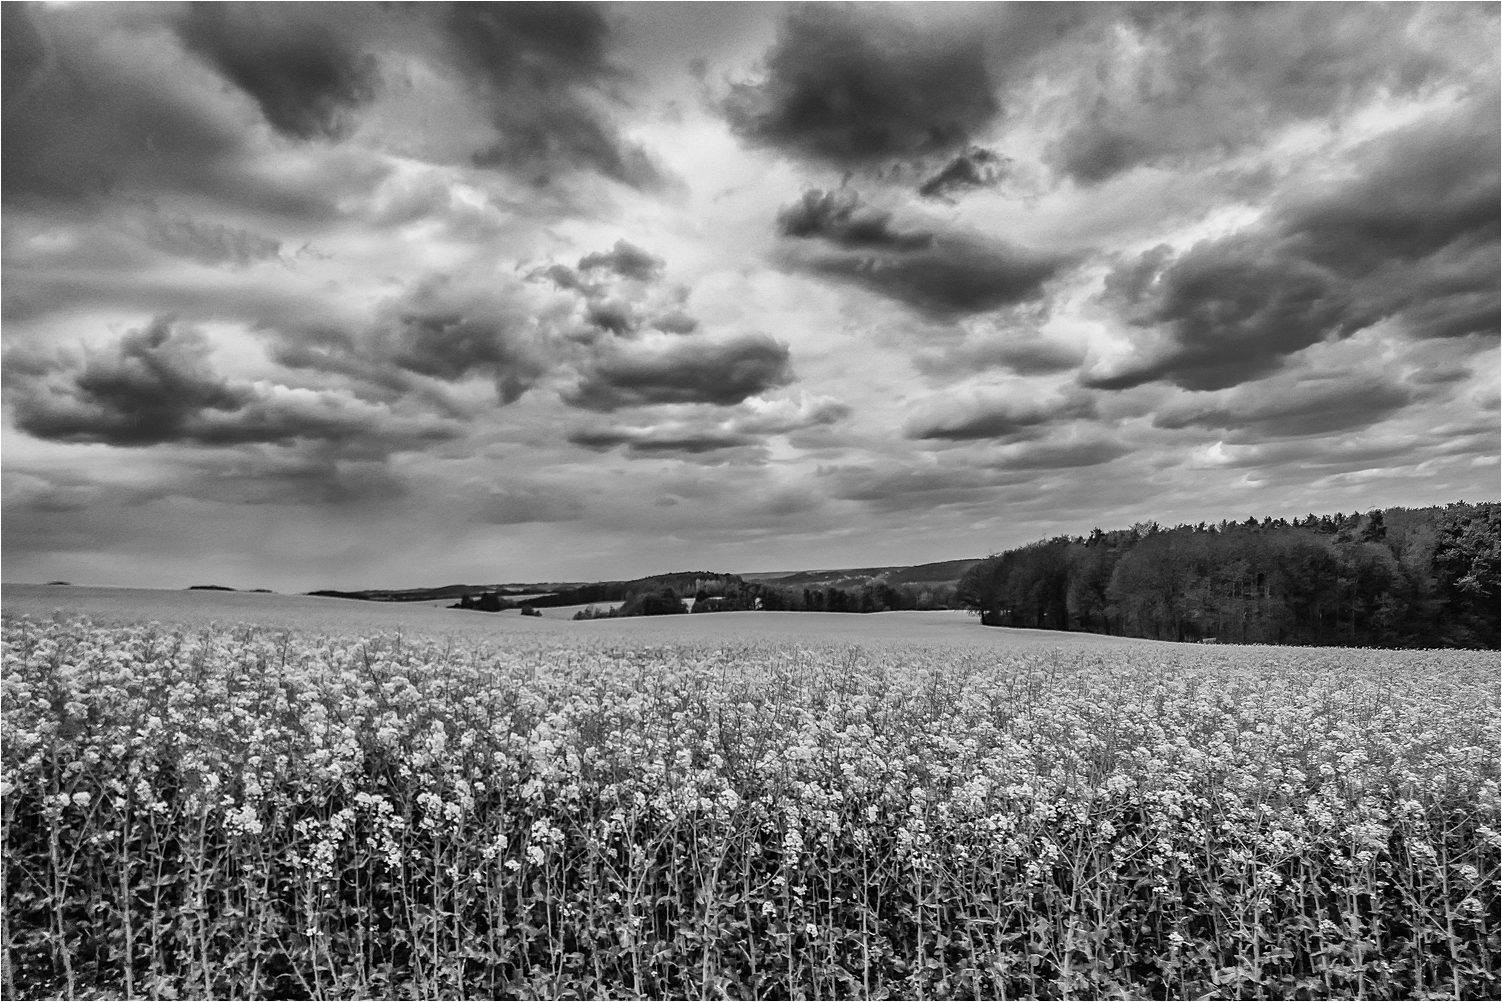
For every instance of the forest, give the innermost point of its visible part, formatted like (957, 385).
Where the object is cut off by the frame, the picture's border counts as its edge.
(1396, 577)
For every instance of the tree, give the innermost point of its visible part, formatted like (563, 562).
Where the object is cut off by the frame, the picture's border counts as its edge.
(664, 602)
(1088, 593)
(977, 591)
(1466, 574)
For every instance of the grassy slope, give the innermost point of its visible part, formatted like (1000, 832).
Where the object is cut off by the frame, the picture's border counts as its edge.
(940, 572)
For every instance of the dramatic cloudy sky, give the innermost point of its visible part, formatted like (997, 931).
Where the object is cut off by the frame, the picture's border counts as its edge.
(399, 295)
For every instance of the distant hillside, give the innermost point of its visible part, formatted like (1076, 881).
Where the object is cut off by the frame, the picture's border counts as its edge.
(944, 572)
(406, 594)
(937, 579)
(688, 582)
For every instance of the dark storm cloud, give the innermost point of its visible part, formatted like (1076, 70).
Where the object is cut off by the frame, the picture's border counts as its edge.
(1417, 231)
(684, 371)
(450, 345)
(157, 385)
(943, 275)
(627, 260)
(954, 277)
(543, 71)
(995, 418)
(1168, 82)
(1292, 410)
(305, 78)
(94, 110)
(551, 42)
(1456, 312)
(452, 328)
(647, 441)
(1233, 309)
(1427, 187)
(153, 384)
(447, 329)
(675, 322)
(840, 218)
(977, 167)
(856, 86)
(1021, 353)
(282, 420)
(332, 351)
(623, 292)
(1414, 238)
(613, 317)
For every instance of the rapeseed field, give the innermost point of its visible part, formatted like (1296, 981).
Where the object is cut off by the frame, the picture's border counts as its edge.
(210, 812)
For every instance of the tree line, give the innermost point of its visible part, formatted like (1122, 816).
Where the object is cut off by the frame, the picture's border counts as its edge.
(597, 591)
(1397, 577)
(734, 594)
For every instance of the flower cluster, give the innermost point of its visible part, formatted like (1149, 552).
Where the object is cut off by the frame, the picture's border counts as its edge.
(246, 812)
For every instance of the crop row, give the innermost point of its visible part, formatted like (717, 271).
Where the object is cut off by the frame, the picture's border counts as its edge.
(241, 813)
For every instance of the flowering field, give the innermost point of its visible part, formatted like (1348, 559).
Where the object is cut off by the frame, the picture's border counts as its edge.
(194, 812)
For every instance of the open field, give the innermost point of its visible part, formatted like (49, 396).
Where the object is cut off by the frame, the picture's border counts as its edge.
(543, 808)
(346, 617)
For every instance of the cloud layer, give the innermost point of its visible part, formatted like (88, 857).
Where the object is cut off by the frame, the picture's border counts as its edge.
(938, 274)
(858, 86)
(543, 291)
(1413, 239)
